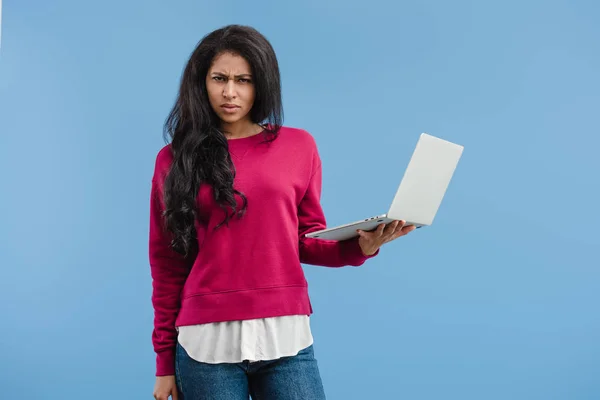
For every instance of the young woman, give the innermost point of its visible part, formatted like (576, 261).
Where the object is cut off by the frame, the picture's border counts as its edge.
(233, 196)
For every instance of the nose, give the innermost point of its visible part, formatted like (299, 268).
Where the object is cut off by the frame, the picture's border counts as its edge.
(229, 89)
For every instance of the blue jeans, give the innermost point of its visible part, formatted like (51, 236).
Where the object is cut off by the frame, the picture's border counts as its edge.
(288, 378)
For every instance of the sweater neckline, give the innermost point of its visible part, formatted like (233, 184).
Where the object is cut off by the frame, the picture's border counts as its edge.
(239, 147)
(245, 138)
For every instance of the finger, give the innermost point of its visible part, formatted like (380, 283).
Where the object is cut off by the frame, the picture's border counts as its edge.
(408, 229)
(395, 236)
(174, 394)
(401, 232)
(391, 227)
(405, 231)
(380, 229)
(400, 225)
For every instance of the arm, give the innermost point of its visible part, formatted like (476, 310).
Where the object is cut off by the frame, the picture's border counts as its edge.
(169, 272)
(329, 253)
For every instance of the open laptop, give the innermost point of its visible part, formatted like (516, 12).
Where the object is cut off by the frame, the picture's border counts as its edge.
(420, 192)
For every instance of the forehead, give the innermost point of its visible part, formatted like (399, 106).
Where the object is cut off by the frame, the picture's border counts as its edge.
(230, 63)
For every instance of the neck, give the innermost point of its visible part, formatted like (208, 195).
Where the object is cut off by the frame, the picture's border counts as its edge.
(240, 129)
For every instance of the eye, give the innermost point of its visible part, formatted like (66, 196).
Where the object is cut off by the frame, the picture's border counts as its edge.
(218, 78)
(245, 80)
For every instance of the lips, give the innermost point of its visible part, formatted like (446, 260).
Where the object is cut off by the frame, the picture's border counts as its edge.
(230, 108)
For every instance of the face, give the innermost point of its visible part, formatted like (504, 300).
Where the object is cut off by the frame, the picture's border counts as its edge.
(230, 88)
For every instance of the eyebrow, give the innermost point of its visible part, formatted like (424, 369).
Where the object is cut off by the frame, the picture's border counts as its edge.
(236, 76)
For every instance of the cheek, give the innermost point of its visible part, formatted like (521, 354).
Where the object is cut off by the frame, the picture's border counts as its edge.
(212, 92)
(250, 95)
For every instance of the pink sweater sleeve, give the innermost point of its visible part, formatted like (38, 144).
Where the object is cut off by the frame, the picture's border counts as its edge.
(328, 253)
(169, 272)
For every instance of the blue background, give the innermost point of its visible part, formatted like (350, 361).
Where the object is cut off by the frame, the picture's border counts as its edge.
(498, 300)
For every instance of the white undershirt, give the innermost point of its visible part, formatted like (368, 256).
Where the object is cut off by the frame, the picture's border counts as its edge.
(253, 340)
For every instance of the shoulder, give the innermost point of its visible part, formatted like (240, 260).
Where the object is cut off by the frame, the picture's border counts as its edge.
(165, 154)
(299, 137)
(302, 145)
(163, 161)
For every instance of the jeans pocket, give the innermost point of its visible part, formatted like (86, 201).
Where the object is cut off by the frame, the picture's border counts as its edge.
(307, 352)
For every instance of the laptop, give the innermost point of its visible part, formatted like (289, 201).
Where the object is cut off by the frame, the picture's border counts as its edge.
(420, 193)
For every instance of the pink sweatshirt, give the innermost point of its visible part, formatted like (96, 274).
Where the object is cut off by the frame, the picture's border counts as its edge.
(251, 268)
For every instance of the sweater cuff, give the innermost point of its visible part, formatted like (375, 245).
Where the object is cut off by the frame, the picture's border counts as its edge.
(355, 255)
(165, 363)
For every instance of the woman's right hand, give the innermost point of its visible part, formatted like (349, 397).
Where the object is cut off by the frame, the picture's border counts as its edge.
(164, 387)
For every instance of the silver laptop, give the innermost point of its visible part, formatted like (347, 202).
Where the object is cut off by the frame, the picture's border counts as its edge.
(420, 192)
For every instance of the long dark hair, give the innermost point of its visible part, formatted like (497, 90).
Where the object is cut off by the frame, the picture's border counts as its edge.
(199, 147)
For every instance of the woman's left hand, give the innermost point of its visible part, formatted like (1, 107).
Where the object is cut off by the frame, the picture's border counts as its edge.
(370, 242)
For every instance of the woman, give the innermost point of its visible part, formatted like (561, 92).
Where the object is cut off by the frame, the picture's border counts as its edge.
(233, 196)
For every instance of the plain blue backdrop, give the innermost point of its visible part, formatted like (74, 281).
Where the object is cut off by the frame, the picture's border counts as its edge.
(499, 299)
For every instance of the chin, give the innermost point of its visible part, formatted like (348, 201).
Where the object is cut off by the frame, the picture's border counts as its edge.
(230, 119)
